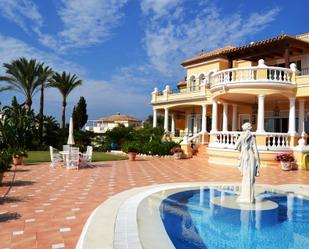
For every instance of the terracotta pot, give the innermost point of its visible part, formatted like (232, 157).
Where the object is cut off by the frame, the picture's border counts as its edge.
(18, 160)
(178, 155)
(132, 156)
(1, 177)
(286, 165)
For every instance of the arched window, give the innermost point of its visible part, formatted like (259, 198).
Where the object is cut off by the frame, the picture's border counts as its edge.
(192, 83)
(202, 80)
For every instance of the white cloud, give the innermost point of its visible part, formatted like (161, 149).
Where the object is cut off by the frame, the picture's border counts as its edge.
(11, 48)
(85, 23)
(21, 12)
(124, 92)
(170, 39)
(158, 7)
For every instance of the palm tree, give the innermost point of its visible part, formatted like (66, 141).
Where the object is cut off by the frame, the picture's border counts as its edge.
(45, 74)
(22, 75)
(2, 89)
(65, 83)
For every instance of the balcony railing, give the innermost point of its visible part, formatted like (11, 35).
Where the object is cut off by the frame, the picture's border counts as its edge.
(168, 94)
(254, 74)
(248, 75)
(304, 71)
(271, 141)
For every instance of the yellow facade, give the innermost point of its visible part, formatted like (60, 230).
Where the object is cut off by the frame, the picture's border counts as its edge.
(268, 86)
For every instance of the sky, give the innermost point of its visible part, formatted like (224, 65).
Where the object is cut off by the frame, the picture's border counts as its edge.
(122, 49)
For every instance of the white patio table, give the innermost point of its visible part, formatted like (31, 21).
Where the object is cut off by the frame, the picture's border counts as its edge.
(65, 155)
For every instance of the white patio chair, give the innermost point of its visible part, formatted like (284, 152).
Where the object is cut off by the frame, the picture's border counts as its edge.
(65, 154)
(65, 147)
(74, 158)
(55, 157)
(86, 158)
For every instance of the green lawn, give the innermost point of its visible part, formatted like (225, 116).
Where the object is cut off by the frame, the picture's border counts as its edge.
(43, 156)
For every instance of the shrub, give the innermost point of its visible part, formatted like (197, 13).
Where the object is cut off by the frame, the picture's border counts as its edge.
(285, 157)
(176, 149)
(131, 147)
(5, 160)
(19, 152)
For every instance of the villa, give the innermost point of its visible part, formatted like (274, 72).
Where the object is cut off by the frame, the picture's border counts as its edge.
(265, 83)
(109, 122)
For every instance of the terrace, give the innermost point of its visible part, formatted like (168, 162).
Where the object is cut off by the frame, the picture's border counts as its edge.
(47, 208)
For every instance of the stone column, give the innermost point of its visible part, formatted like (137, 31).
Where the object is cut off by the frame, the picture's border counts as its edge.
(292, 117)
(214, 125)
(166, 119)
(301, 116)
(234, 121)
(204, 118)
(173, 124)
(260, 124)
(225, 117)
(154, 118)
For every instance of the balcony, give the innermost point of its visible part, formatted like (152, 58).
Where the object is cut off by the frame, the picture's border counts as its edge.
(261, 74)
(169, 95)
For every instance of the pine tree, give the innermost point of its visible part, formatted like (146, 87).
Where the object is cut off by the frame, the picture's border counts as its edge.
(79, 114)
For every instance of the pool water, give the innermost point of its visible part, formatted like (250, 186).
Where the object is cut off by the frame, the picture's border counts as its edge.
(193, 221)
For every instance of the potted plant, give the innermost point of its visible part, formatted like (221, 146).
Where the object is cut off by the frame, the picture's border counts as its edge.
(285, 160)
(177, 152)
(131, 148)
(5, 163)
(18, 156)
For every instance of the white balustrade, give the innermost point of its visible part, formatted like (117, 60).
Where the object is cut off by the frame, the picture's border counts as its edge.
(273, 141)
(250, 74)
(225, 139)
(277, 141)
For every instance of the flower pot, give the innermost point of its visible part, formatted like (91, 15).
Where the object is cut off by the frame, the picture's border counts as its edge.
(132, 156)
(18, 160)
(286, 165)
(178, 155)
(1, 177)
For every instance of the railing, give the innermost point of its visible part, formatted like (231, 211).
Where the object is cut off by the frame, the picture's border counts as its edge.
(279, 74)
(272, 141)
(277, 141)
(225, 139)
(253, 74)
(304, 71)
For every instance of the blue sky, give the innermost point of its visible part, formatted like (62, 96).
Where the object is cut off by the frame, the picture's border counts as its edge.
(122, 49)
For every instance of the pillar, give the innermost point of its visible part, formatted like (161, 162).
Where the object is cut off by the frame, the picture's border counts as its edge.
(301, 116)
(260, 124)
(154, 118)
(204, 118)
(234, 121)
(173, 124)
(166, 119)
(225, 117)
(214, 126)
(292, 116)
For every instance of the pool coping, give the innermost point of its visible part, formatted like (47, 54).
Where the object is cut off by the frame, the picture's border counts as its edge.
(119, 215)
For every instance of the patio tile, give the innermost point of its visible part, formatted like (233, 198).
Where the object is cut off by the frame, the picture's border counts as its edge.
(41, 229)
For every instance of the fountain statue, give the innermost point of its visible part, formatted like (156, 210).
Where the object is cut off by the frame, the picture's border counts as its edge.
(249, 164)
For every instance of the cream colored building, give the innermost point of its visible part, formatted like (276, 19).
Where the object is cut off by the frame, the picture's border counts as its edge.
(265, 83)
(109, 122)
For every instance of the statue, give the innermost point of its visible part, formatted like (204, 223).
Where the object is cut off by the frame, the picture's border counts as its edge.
(249, 163)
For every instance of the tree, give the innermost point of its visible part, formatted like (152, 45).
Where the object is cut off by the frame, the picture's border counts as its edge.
(79, 114)
(17, 128)
(160, 121)
(65, 83)
(23, 76)
(44, 73)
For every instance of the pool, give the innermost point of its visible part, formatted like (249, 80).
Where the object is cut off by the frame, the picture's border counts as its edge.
(200, 219)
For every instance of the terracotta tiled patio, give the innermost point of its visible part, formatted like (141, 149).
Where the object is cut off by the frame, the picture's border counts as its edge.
(47, 208)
